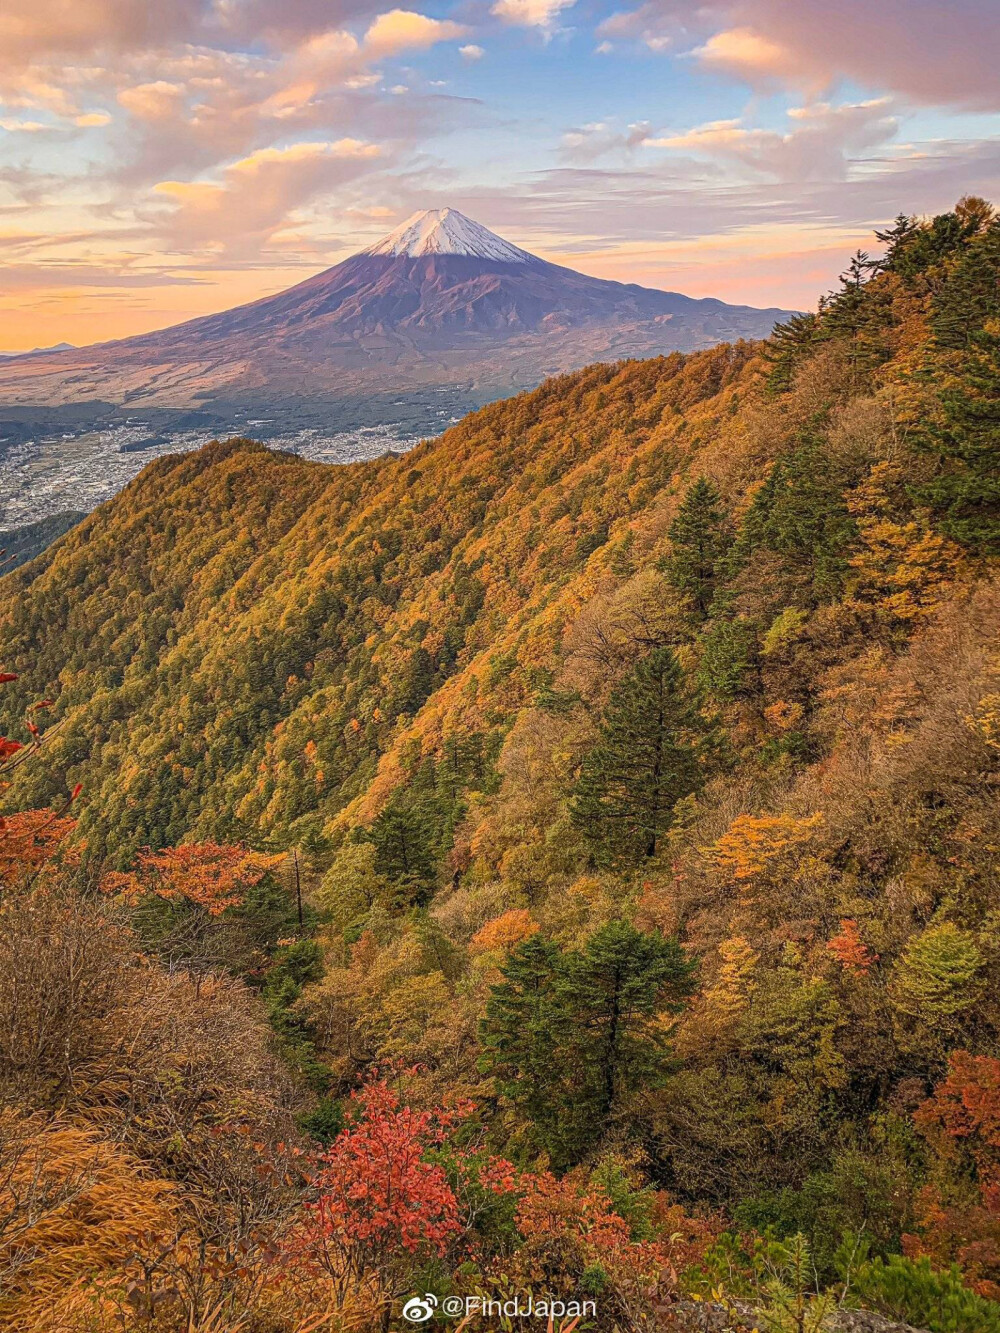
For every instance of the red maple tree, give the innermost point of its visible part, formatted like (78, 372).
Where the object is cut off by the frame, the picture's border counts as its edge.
(960, 1209)
(850, 949)
(380, 1205)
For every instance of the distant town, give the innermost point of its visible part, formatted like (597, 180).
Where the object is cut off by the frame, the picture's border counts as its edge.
(77, 469)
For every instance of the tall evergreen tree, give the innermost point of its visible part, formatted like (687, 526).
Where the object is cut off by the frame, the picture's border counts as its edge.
(858, 314)
(921, 249)
(730, 666)
(522, 1034)
(787, 346)
(965, 494)
(896, 239)
(614, 989)
(567, 1035)
(970, 295)
(651, 751)
(405, 838)
(700, 536)
(800, 515)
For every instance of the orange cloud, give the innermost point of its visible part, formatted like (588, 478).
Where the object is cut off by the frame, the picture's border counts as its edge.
(742, 51)
(256, 195)
(152, 101)
(402, 30)
(14, 126)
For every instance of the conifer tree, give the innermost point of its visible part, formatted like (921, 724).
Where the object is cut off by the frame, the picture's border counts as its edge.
(921, 249)
(521, 1033)
(730, 666)
(651, 751)
(614, 989)
(970, 295)
(896, 239)
(800, 515)
(404, 835)
(858, 314)
(700, 536)
(787, 347)
(567, 1034)
(965, 494)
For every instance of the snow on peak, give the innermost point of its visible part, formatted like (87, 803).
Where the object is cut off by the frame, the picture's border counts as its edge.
(446, 231)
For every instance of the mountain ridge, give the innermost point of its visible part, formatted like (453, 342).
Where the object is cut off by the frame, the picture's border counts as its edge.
(624, 762)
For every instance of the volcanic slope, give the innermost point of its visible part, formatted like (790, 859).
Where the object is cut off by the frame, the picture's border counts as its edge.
(442, 302)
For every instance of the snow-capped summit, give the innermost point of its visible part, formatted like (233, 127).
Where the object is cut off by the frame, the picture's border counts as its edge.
(446, 231)
(441, 304)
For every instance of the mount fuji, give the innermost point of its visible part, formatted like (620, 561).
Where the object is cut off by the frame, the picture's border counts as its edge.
(441, 306)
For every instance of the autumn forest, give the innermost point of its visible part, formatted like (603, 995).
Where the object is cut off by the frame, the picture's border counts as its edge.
(561, 860)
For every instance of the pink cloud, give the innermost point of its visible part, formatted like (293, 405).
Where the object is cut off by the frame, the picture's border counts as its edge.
(402, 30)
(32, 29)
(821, 144)
(530, 13)
(931, 52)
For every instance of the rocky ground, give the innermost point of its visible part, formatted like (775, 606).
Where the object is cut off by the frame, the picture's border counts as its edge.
(710, 1317)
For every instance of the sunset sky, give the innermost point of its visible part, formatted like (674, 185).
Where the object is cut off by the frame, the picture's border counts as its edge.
(160, 159)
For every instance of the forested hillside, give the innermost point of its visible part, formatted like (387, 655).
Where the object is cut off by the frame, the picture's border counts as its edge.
(19, 545)
(589, 817)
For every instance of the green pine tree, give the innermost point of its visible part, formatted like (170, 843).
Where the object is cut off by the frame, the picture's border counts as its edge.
(858, 315)
(521, 1034)
(730, 666)
(405, 838)
(896, 239)
(651, 751)
(964, 496)
(614, 990)
(700, 536)
(787, 347)
(970, 295)
(567, 1035)
(799, 515)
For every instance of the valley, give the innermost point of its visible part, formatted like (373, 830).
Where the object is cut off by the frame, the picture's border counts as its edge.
(75, 458)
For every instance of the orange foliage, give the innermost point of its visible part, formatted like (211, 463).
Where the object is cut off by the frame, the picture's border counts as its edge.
(574, 1212)
(69, 1205)
(752, 843)
(783, 716)
(850, 950)
(966, 1107)
(209, 874)
(962, 1122)
(29, 839)
(504, 932)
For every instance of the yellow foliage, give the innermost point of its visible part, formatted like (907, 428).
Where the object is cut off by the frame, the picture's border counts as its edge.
(783, 716)
(903, 567)
(987, 720)
(752, 843)
(723, 1003)
(71, 1206)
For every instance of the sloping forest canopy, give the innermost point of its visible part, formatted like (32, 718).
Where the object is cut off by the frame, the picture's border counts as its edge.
(562, 859)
